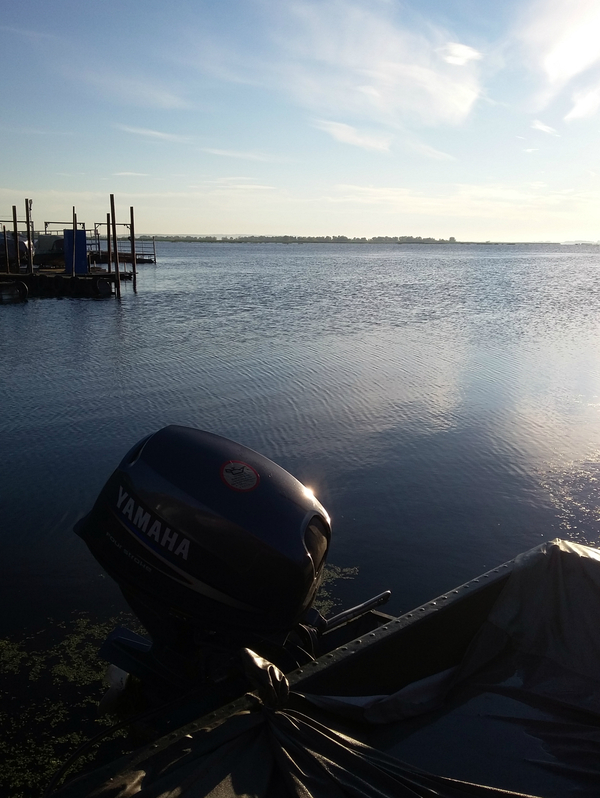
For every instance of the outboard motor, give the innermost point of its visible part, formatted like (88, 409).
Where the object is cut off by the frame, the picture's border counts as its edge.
(215, 548)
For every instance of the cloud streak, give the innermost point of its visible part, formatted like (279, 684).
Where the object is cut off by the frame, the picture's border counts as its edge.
(27, 33)
(31, 131)
(350, 135)
(245, 156)
(155, 134)
(459, 54)
(561, 41)
(139, 92)
(493, 201)
(428, 151)
(537, 125)
(355, 61)
(159, 135)
(585, 103)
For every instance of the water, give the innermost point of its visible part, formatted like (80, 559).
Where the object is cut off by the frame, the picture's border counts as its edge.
(441, 401)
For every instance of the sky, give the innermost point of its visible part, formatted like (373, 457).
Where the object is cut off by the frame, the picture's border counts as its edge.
(440, 118)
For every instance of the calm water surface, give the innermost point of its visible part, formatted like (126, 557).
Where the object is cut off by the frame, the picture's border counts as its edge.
(442, 402)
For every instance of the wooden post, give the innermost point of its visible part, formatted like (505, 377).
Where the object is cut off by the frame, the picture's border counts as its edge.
(133, 257)
(108, 246)
(16, 236)
(6, 248)
(74, 242)
(116, 248)
(29, 237)
(154, 247)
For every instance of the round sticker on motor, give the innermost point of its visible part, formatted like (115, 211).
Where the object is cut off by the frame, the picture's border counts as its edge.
(239, 476)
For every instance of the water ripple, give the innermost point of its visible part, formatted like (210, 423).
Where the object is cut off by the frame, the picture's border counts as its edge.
(436, 398)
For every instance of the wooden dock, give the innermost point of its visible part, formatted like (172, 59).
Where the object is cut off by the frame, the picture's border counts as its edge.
(102, 256)
(54, 283)
(67, 255)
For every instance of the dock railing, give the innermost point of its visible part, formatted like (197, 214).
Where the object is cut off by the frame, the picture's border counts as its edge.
(98, 248)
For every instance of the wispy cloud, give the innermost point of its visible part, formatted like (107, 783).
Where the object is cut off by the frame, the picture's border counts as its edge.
(350, 135)
(32, 131)
(428, 151)
(494, 201)
(459, 54)
(155, 134)
(225, 187)
(561, 39)
(246, 156)
(247, 187)
(353, 60)
(574, 28)
(130, 174)
(228, 179)
(133, 91)
(28, 33)
(537, 125)
(585, 103)
(234, 183)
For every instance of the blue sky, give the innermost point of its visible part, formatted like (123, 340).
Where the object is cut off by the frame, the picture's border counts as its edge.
(458, 118)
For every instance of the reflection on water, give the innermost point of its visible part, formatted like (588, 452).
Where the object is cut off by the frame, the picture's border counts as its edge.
(442, 402)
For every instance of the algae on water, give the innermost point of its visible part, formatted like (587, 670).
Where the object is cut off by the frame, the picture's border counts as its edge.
(51, 682)
(326, 601)
(50, 685)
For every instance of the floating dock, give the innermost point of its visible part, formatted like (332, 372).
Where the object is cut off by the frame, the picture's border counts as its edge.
(67, 257)
(54, 283)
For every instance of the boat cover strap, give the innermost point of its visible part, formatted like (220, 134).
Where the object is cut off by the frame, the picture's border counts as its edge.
(544, 627)
(274, 754)
(269, 682)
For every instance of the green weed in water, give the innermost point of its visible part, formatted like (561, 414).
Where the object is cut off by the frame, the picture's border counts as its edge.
(50, 685)
(326, 601)
(51, 682)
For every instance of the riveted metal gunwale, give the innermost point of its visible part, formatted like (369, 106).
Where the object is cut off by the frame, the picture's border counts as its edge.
(298, 678)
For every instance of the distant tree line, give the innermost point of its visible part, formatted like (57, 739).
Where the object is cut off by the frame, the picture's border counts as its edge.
(301, 240)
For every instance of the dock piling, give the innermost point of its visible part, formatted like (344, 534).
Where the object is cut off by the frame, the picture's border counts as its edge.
(133, 256)
(108, 244)
(16, 236)
(58, 270)
(74, 240)
(28, 204)
(6, 248)
(115, 246)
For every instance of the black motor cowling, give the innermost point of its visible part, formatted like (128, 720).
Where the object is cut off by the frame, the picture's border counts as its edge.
(204, 535)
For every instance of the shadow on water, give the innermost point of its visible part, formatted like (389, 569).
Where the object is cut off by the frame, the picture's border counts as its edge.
(428, 395)
(51, 681)
(442, 403)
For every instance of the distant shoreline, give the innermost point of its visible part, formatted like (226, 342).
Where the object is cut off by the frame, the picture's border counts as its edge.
(346, 240)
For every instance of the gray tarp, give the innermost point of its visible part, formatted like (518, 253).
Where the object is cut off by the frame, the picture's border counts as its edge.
(548, 613)
(274, 754)
(544, 632)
